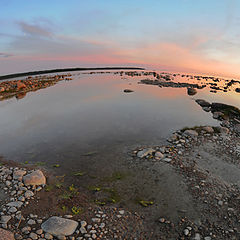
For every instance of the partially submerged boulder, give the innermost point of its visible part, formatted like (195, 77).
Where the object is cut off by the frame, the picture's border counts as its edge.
(35, 178)
(58, 226)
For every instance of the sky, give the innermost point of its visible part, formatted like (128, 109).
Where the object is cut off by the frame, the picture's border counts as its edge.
(171, 35)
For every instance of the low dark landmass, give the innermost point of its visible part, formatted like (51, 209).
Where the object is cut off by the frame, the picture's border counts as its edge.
(15, 75)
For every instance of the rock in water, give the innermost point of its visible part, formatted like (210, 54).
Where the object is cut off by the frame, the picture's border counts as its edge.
(203, 103)
(6, 235)
(128, 90)
(58, 226)
(191, 91)
(34, 178)
(191, 133)
(217, 115)
(237, 90)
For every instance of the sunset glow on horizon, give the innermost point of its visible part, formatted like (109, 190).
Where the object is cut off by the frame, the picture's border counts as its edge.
(182, 36)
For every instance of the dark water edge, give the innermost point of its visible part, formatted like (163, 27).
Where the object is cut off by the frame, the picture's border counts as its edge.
(15, 75)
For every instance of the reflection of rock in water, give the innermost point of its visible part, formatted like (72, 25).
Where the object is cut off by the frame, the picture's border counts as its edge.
(21, 95)
(191, 91)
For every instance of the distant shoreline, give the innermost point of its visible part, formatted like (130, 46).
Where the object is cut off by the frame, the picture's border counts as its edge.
(15, 75)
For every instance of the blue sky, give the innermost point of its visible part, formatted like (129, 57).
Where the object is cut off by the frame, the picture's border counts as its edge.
(182, 35)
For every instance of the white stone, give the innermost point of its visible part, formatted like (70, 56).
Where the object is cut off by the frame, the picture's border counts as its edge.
(58, 226)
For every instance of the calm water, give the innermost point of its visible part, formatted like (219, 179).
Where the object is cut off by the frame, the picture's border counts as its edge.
(92, 113)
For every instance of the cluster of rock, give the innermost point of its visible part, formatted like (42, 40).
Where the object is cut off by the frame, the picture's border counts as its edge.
(227, 114)
(161, 83)
(19, 88)
(63, 228)
(180, 139)
(167, 80)
(21, 185)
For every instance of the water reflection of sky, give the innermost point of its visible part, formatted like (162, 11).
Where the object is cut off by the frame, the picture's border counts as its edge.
(93, 111)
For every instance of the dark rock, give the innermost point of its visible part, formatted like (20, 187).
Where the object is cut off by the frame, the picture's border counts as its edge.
(229, 110)
(191, 91)
(128, 90)
(203, 103)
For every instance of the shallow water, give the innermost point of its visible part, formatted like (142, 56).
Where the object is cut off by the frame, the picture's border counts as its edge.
(91, 113)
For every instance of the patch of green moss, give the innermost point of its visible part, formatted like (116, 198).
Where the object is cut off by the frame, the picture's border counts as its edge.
(64, 208)
(79, 174)
(94, 188)
(100, 203)
(40, 163)
(116, 176)
(114, 196)
(56, 165)
(58, 185)
(145, 203)
(89, 153)
(49, 188)
(76, 210)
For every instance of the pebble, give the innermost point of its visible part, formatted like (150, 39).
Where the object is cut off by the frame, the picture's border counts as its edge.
(33, 236)
(186, 232)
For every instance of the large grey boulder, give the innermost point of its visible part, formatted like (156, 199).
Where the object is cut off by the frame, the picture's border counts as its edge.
(34, 178)
(58, 226)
